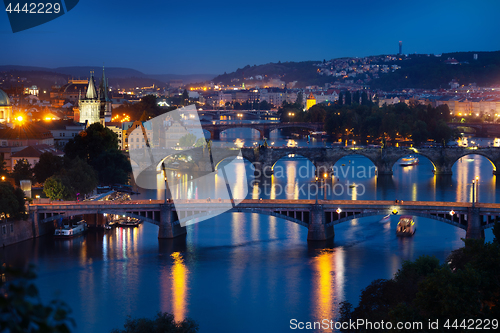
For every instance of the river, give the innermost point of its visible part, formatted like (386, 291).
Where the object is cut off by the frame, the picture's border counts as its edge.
(246, 272)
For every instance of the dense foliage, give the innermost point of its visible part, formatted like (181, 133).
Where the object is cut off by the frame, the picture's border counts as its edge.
(163, 322)
(11, 201)
(98, 146)
(368, 122)
(430, 72)
(75, 178)
(22, 171)
(47, 166)
(466, 286)
(21, 308)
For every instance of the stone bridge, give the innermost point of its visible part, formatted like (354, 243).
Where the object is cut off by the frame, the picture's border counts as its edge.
(318, 216)
(480, 129)
(324, 158)
(383, 160)
(264, 129)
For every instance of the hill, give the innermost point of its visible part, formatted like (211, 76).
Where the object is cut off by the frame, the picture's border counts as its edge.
(124, 77)
(386, 72)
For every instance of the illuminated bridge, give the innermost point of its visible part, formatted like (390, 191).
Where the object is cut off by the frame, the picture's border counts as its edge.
(319, 217)
(324, 158)
(264, 129)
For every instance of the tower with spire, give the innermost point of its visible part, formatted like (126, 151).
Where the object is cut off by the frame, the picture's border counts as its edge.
(90, 105)
(105, 112)
(95, 107)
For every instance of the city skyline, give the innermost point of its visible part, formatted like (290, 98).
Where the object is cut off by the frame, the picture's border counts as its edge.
(199, 38)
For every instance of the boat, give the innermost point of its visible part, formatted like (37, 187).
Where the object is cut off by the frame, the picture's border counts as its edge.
(386, 218)
(69, 231)
(129, 222)
(407, 161)
(406, 226)
(352, 185)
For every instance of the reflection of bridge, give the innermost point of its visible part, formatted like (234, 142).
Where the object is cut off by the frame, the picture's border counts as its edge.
(480, 129)
(318, 216)
(264, 128)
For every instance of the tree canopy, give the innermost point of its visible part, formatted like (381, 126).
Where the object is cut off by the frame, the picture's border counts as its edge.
(22, 171)
(21, 307)
(466, 286)
(163, 322)
(47, 166)
(91, 143)
(11, 201)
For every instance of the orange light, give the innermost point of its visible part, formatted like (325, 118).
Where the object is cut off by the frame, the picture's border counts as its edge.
(19, 118)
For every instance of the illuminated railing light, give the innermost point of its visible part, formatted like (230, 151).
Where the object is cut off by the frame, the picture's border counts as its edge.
(338, 210)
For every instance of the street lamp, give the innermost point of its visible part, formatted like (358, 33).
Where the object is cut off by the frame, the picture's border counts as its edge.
(475, 182)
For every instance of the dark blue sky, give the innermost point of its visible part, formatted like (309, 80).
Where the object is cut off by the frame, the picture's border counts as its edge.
(188, 37)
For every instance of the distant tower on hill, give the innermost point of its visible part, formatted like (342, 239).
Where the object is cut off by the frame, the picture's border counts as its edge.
(400, 47)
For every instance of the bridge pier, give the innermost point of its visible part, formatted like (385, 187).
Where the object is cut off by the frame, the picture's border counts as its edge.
(384, 169)
(35, 223)
(262, 169)
(317, 229)
(474, 229)
(215, 134)
(167, 227)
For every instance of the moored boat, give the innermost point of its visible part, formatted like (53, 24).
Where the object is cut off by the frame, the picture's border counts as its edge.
(69, 231)
(406, 226)
(407, 161)
(129, 222)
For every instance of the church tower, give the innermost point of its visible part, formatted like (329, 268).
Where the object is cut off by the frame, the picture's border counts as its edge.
(90, 106)
(106, 104)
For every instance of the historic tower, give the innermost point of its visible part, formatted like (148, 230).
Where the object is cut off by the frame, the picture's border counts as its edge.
(96, 106)
(105, 111)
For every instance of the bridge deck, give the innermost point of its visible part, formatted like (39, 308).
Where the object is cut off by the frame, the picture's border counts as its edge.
(266, 202)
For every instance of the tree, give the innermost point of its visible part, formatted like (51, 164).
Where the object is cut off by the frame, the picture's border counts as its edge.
(187, 140)
(364, 98)
(22, 171)
(496, 232)
(57, 188)
(347, 97)
(201, 142)
(91, 143)
(112, 167)
(11, 201)
(80, 177)
(47, 166)
(3, 164)
(300, 98)
(21, 307)
(164, 323)
(185, 97)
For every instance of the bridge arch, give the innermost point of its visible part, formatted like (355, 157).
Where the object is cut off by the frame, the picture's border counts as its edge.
(343, 168)
(217, 164)
(474, 152)
(405, 212)
(419, 156)
(256, 131)
(301, 220)
(283, 156)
